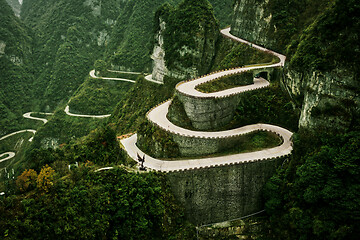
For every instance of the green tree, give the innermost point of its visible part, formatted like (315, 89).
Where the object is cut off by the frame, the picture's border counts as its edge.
(319, 199)
(100, 67)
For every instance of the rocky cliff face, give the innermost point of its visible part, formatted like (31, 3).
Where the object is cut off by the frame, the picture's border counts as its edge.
(158, 55)
(184, 41)
(331, 101)
(252, 22)
(324, 86)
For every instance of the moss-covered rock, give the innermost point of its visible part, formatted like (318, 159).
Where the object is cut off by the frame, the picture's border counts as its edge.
(185, 39)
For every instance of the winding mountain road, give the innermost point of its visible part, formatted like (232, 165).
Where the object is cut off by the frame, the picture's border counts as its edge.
(150, 79)
(67, 111)
(10, 156)
(158, 117)
(25, 115)
(44, 120)
(14, 133)
(116, 71)
(92, 74)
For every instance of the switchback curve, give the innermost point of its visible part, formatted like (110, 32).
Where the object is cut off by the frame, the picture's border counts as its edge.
(92, 74)
(25, 115)
(10, 156)
(158, 117)
(67, 111)
(44, 120)
(21, 131)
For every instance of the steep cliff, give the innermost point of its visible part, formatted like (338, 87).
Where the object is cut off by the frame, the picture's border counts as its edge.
(316, 37)
(130, 43)
(331, 76)
(321, 41)
(185, 40)
(274, 23)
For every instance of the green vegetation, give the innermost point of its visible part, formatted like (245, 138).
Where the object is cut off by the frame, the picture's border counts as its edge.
(130, 76)
(130, 38)
(16, 143)
(98, 97)
(223, 11)
(15, 66)
(61, 130)
(156, 142)
(177, 114)
(70, 36)
(242, 79)
(144, 95)
(189, 36)
(15, 5)
(52, 200)
(291, 18)
(160, 144)
(331, 41)
(114, 204)
(317, 195)
(314, 196)
(230, 54)
(269, 105)
(254, 141)
(100, 67)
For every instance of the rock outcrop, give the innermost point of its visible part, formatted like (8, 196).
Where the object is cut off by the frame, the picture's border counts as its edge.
(252, 22)
(322, 83)
(184, 41)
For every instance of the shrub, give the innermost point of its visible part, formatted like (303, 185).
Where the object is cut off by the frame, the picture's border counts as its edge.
(27, 180)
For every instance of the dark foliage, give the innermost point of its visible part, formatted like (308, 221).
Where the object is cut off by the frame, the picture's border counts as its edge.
(317, 195)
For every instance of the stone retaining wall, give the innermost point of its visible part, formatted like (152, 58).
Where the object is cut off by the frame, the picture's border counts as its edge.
(217, 194)
(191, 146)
(209, 113)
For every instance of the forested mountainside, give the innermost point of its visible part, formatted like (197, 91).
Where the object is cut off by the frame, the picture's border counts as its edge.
(316, 37)
(131, 39)
(16, 65)
(186, 37)
(83, 30)
(15, 5)
(70, 36)
(45, 59)
(316, 195)
(65, 53)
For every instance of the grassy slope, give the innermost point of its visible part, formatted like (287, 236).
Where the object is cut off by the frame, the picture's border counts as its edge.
(98, 97)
